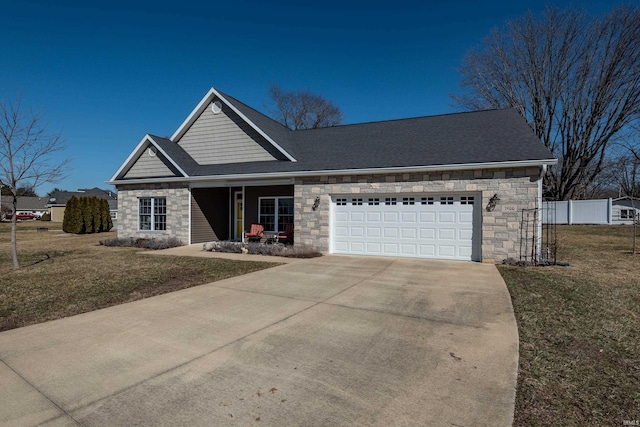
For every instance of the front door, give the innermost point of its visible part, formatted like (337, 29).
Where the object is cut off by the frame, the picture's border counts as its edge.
(237, 215)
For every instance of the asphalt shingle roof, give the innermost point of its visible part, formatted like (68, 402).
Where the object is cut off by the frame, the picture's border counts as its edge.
(452, 139)
(489, 136)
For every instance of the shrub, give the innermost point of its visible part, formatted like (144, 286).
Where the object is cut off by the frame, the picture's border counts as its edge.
(45, 217)
(262, 249)
(87, 214)
(143, 243)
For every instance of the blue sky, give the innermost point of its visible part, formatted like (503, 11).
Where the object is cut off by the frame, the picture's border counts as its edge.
(107, 74)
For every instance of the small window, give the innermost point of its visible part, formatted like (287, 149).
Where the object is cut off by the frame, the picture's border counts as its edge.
(446, 200)
(408, 201)
(374, 201)
(626, 213)
(356, 202)
(466, 200)
(152, 213)
(426, 200)
(390, 201)
(341, 202)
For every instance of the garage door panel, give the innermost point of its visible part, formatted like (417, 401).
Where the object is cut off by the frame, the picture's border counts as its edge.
(428, 250)
(465, 235)
(409, 233)
(374, 216)
(341, 231)
(356, 247)
(465, 217)
(409, 217)
(428, 233)
(355, 216)
(427, 217)
(409, 249)
(446, 251)
(446, 217)
(342, 216)
(374, 232)
(406, 225)
(446, 234)
(374, 248)
(391, 232)
(390, 217)
(357, 232)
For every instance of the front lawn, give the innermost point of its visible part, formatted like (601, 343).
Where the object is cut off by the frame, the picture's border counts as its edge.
(579, 331)
(64, 274)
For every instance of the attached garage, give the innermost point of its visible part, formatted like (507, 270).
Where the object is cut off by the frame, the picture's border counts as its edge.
(439, 226)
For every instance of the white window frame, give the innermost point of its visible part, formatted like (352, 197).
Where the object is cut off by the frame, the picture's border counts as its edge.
(276, 203)
(154, 216)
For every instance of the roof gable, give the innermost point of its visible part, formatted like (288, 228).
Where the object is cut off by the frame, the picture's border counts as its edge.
(151, 164)
(220, 135)
(162, 146)
(208, 99)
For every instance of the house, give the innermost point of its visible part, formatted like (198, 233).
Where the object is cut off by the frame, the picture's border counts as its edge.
(58, 201)
(450, 186)
(26, 204)
(625, 209)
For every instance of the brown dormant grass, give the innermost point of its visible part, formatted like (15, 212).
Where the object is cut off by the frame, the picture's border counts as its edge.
(64, 274)
(579, 331)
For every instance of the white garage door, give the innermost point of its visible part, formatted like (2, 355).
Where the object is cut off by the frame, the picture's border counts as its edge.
(425, 226)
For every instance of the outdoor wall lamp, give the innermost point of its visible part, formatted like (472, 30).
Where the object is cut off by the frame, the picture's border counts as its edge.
(316, 203)
(492, 202)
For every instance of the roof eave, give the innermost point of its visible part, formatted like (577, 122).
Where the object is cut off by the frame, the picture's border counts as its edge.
(363, 171)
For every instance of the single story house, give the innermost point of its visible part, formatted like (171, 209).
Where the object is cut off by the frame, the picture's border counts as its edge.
(59, 198)
(447, 187)
(625, 209)
(26, 204)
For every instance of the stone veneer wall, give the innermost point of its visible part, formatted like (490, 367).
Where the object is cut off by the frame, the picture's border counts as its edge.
(177, 210)
(517, 189)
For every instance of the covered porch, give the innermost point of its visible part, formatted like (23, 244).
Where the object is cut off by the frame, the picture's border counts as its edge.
(226, 211)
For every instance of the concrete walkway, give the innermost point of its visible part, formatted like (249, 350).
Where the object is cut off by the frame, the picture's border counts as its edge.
(333, 341)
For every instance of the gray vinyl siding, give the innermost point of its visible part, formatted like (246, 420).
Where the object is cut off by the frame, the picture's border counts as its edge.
(225, 138)
(149, 167)
(209, 214)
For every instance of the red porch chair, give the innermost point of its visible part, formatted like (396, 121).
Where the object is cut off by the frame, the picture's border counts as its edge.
(287, 235)
(255, 234)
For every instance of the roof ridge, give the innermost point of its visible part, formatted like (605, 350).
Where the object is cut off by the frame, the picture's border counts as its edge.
(408, 118)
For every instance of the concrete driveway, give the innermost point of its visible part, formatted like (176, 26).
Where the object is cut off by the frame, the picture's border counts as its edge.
(336, 340)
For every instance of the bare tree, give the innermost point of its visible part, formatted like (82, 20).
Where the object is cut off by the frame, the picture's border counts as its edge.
(303, 109)
(26, 149)
(575, 79)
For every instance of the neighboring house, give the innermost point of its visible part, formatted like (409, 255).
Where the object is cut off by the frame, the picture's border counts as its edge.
(26, 204)
(625, 209)
(418, 187)
(59, 199)
(594, 211)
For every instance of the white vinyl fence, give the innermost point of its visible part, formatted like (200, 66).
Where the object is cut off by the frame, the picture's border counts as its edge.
(597, 211)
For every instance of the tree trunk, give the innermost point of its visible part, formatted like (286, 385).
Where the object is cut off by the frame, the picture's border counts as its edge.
(14, 240)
